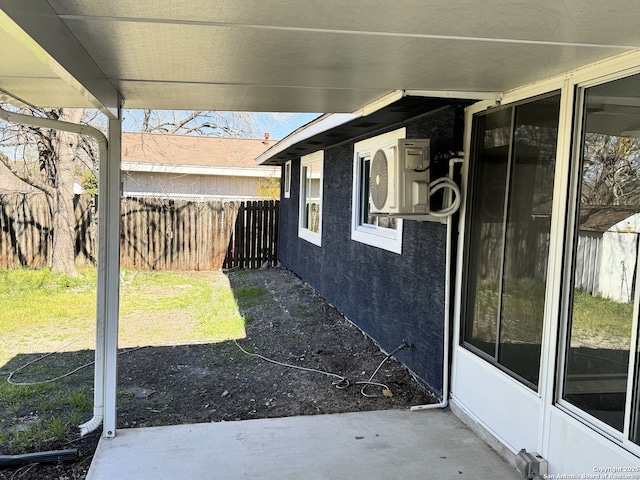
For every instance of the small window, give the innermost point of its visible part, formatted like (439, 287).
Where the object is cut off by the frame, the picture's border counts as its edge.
(376, 230)
(310, 219)
(287, 179)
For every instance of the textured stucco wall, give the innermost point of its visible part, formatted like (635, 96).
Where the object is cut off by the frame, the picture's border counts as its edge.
(391, 297)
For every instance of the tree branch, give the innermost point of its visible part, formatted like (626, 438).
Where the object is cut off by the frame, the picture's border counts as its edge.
(35, 183)
(181, 124)
(205, 123)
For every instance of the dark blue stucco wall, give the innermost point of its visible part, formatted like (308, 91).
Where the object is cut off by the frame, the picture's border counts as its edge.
(391, 297)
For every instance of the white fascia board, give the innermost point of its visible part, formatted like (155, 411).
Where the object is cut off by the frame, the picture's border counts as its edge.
(37, 26)
(315, 127)
(255, 172)
(460, 95)
(380, 103)
(327, 122)
(331, 120)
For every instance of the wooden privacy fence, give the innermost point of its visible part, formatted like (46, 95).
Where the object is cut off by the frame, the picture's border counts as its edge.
(157, 234)
(255, 238)
(162, 234)
(26, 230)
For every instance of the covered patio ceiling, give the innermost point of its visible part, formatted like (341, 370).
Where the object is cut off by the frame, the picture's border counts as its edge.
(330, 56)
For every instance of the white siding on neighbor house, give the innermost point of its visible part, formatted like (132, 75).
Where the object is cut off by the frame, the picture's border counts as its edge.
(180, 185)
(183, 166)
(588, 261)
(605, 261)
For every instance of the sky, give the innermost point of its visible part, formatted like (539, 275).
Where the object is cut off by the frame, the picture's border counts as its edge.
(289, 122)
(278, 125)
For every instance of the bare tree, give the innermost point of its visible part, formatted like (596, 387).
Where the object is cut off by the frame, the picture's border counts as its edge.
(611, 170)
(51, 160)
(205, 123)
(50, 168)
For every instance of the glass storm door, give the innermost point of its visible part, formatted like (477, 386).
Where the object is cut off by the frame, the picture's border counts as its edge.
(601, 378)
(512, 175)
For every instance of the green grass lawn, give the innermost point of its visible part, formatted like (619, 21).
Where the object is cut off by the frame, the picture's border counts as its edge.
(594, 319)
(601, 319)
(41, 312)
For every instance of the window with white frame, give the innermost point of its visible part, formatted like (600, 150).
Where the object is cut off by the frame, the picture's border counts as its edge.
(375, 230)
(310, 217)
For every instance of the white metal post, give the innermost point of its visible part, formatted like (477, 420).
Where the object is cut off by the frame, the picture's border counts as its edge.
(112, 226)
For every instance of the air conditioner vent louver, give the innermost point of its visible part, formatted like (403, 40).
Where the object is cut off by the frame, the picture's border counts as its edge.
(379, 180)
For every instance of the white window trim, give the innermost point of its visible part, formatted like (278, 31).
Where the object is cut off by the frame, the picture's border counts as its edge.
(385, 238)
(287, 179)
(305, 233)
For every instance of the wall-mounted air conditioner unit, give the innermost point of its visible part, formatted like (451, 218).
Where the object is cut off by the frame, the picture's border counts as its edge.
(399, 178)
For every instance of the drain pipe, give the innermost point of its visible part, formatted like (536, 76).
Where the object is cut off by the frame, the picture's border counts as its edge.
(98, 396)
(447, 315)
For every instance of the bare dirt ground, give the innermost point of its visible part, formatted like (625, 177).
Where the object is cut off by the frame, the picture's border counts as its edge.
(287, 322)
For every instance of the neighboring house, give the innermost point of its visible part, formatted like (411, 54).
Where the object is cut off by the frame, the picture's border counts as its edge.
(185, 167)
(481, 296)
(194, 167)
(607, 250)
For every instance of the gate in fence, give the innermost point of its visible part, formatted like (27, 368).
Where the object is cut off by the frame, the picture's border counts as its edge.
(254, 242)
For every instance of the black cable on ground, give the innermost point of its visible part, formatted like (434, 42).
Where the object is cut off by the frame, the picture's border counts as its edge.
(341, 382)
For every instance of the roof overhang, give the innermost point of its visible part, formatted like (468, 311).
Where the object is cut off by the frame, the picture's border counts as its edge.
(333, 129)
(331, 56)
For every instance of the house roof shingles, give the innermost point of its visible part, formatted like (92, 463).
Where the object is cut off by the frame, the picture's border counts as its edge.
(191, 150)
(600, 218)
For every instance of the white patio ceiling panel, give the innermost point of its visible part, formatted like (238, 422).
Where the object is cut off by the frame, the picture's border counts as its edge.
(310, 59)
(22, 72)
(330, 56)
(582, 21)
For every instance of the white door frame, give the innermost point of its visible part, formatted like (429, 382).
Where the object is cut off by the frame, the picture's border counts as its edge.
(552, 422)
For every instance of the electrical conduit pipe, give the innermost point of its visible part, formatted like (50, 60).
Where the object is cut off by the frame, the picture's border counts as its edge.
(447, 316)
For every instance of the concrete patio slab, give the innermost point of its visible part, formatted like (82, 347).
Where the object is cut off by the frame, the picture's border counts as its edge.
(386, 444)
